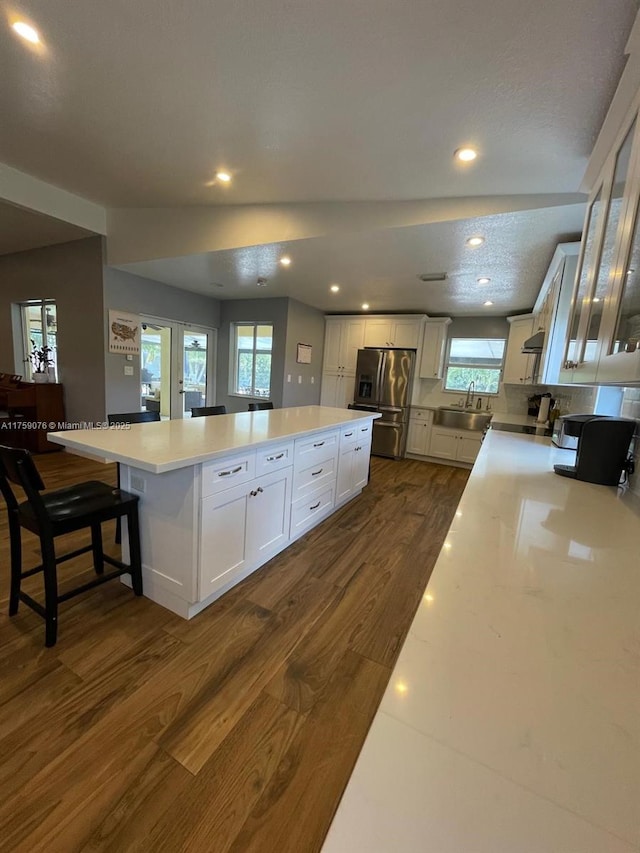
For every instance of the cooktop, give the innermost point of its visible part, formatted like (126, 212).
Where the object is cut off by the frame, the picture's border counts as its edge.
(527, 429)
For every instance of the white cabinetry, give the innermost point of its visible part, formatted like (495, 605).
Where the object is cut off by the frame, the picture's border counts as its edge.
(456, 445)
(337, 389)
(353, 464)
(243, 526)
(343, 338)
(433, 348)
(518, 367)
(399, 332)
(419, 433)
(553, 308)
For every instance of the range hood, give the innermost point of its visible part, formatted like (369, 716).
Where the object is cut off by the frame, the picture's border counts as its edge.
(534, 344)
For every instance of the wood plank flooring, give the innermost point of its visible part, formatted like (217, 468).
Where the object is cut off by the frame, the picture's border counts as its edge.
(235, 731)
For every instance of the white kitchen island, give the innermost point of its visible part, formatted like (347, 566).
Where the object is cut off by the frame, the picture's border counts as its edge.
(222, 495)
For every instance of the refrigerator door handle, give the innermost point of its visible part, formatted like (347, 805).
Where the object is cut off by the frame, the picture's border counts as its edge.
(393, 409)
(381, 369)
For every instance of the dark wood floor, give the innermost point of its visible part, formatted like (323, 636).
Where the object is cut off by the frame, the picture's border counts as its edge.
(236, 731)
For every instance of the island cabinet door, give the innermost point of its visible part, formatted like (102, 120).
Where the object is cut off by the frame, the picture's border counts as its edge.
(361, 465)
(268, 515)
(346, 472)
(223, 525)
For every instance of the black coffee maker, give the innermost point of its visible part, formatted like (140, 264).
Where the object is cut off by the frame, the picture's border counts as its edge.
(603, 447)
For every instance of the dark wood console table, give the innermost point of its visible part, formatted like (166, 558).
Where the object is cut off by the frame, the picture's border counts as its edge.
(26, 410)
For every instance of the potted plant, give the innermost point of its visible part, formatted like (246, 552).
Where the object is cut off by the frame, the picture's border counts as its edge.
(41, 362)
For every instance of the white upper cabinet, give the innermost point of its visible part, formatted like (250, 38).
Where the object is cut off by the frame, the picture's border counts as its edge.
(518, 367)
(552, 310)
(393, 331)
(344, 336)
(433, 348)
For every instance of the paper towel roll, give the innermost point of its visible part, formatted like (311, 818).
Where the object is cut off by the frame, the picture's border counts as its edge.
(543, 414)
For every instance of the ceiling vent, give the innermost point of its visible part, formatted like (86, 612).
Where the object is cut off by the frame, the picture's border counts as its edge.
(433, 276)
(262, 282)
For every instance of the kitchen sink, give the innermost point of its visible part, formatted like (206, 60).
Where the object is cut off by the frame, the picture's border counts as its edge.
(461, 418)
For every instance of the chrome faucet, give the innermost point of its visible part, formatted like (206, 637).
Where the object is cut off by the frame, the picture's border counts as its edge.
(471, 393)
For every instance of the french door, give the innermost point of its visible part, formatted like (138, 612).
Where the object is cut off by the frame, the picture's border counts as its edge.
(177, 367)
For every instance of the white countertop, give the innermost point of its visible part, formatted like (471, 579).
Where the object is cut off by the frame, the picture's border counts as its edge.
(166, 445)
(511, 723)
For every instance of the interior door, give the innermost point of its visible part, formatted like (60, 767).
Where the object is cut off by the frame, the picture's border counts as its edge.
(176, 367)
(195, 372)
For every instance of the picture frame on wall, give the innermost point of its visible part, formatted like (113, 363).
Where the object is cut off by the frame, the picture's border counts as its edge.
(304, 354)
(124, 333)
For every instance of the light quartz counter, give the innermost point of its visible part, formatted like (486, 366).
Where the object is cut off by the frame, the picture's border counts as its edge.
(221, 495)
(511, 723)
(169, 445)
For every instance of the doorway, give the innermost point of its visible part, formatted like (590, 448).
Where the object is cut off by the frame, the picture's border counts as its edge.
(177, 367)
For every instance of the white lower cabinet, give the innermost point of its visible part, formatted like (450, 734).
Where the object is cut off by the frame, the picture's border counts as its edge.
(456, 445)
(419, 432)
(241, 526)
(353, 468)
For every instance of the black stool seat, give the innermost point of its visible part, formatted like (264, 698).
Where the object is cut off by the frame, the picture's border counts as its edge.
(70, 506)
(54, 514)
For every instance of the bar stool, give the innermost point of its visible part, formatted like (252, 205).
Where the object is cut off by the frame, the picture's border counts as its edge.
(127, 418)
(54, 514)
(205, 411)
(259, 407)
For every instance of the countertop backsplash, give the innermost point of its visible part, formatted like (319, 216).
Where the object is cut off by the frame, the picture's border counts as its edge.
(511, 398)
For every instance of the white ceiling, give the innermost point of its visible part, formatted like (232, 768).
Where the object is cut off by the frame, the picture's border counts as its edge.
(382, 267)
(22, 229)
(136, 104)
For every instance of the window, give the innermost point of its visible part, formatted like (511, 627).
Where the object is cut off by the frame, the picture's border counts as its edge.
(39, 328)
(252, 359)
(477, 360)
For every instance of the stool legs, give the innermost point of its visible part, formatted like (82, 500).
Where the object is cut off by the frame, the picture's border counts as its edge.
(50, 573)
(96, 545)
(15, 537)
(135, 559)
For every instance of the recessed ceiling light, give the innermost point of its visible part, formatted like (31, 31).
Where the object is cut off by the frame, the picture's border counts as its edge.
(365, 306)
(488, 302)
(285, 261)
(596, 299)
(334, 288)
(26, 32)
(225, 177)
(484, 280)
(475, 241)
(465, 155)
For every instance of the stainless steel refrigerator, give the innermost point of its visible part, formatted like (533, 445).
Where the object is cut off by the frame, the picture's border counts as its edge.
(383, 383)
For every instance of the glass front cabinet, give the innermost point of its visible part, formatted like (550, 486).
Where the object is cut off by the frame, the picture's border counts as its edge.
(603, 336)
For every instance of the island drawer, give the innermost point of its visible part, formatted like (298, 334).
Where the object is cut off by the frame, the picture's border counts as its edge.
(312, 477)
(309, 451)
(274, 458)
(220, 474)
(306, 512)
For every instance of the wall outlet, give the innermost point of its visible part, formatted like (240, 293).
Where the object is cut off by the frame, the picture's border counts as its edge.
(129, 357)
(288, 377)
(138, 483)
(299, 380)
(128, 370)
(313, 379)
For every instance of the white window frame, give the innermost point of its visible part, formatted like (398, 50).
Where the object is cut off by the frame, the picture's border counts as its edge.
(26, 334)
(254, 351)
(498, 368)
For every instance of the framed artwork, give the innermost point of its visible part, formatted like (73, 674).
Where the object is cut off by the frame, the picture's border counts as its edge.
(304, 354)
(124, 333)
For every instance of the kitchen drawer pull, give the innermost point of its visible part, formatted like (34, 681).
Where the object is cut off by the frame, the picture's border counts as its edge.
(348, 434)
(273, 458)
(315, 506)
(364, 429)
(315, 473)
(232, 471)
(319, 444)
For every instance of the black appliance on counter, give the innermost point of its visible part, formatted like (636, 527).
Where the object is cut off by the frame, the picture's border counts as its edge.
(603, 448)
(383, 384)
